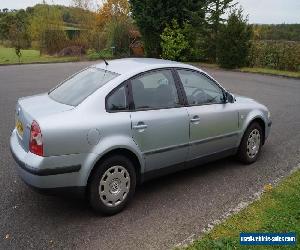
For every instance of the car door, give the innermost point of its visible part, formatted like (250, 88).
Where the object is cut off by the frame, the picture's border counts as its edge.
(213, 121)
(160, 122)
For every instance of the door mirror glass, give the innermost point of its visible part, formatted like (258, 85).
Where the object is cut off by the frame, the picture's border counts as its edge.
(230, 97)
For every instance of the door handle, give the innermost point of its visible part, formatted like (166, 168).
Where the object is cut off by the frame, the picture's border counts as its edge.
(140, 126)
(195, 119)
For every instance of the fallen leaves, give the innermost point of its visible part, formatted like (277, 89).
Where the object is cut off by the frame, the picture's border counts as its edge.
(268, 187)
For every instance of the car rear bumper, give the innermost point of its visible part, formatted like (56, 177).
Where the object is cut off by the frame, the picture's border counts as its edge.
(46, 173)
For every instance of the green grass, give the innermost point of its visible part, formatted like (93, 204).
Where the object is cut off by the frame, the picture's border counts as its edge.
(8, 56)
(272, 72)
(278, 210)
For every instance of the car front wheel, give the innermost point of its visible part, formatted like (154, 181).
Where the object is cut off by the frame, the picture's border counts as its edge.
(251, 144)
(112, 185)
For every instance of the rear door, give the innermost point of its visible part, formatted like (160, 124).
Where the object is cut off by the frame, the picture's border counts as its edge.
(213, 122)
(160, 123)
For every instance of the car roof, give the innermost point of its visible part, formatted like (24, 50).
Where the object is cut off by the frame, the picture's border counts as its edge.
(133, 65)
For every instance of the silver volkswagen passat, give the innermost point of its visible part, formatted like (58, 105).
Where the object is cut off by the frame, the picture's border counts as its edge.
(114, 125)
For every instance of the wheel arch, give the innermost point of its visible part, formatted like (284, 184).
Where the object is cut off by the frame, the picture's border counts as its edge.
(119, 151)
(261, 122)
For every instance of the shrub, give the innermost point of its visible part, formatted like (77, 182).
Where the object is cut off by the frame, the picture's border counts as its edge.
(281, 55)
(196, 50)
(53, 41)
(72, 51)
(96, 55)
(6, 43)
(98, 40)
(117, 33)
(173, 42)
(80, 40)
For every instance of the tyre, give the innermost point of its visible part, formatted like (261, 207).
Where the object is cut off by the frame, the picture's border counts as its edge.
(112, 185)
(251, 144)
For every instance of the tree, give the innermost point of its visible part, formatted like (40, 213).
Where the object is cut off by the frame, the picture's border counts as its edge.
(234, 41)
(195, 12)
(215, 11)
(113, 9)
(17, 32)
(15, 36)
(86, 20)
(117, 35)
(196, 30)
(82, 14)
(152, 16)
(83, 4)
(6, 21)
(18, 52)
(14, 27)
(46, 27)
(173, 42)
(113, 25)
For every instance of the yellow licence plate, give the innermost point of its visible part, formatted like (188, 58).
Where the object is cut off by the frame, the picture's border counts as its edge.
(19, 127)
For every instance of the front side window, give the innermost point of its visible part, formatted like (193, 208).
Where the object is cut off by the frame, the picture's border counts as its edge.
(199, 89)
(117, 100)
(74, 90)
(155, 90)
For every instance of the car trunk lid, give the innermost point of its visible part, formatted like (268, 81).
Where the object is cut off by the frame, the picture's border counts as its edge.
(33, 108)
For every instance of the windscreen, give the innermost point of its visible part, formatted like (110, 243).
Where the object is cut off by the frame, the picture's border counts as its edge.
(74, 90)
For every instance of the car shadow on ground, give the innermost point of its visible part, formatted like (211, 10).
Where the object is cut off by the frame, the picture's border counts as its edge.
(167, 181)
(147, 194)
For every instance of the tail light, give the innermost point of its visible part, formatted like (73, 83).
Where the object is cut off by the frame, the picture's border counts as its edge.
(36, 142)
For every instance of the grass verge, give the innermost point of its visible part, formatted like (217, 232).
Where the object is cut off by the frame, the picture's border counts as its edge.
(8, 56)
(277, 211)
(272, 72)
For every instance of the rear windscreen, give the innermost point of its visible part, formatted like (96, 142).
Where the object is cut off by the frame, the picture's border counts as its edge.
(75, 89)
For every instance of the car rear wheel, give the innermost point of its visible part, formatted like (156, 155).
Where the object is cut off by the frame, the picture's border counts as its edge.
(112, 185)
(251, 144)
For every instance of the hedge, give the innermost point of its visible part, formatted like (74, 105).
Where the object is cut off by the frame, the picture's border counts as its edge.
(281, 55)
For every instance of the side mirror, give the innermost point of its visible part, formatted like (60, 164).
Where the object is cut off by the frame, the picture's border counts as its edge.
(230, 97)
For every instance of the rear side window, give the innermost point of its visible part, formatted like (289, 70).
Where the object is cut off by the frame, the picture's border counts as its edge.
(154, 90)
(74, 90)
(117, 100)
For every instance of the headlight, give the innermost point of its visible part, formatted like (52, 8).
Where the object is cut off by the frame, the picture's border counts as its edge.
(269, 115)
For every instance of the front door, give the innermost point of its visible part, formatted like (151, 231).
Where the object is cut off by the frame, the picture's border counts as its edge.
(213, 122)
(160, 124)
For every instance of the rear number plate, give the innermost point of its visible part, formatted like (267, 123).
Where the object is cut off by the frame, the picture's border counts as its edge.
(20, 128)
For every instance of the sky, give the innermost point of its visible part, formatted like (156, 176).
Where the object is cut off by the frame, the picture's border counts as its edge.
(259, 11)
